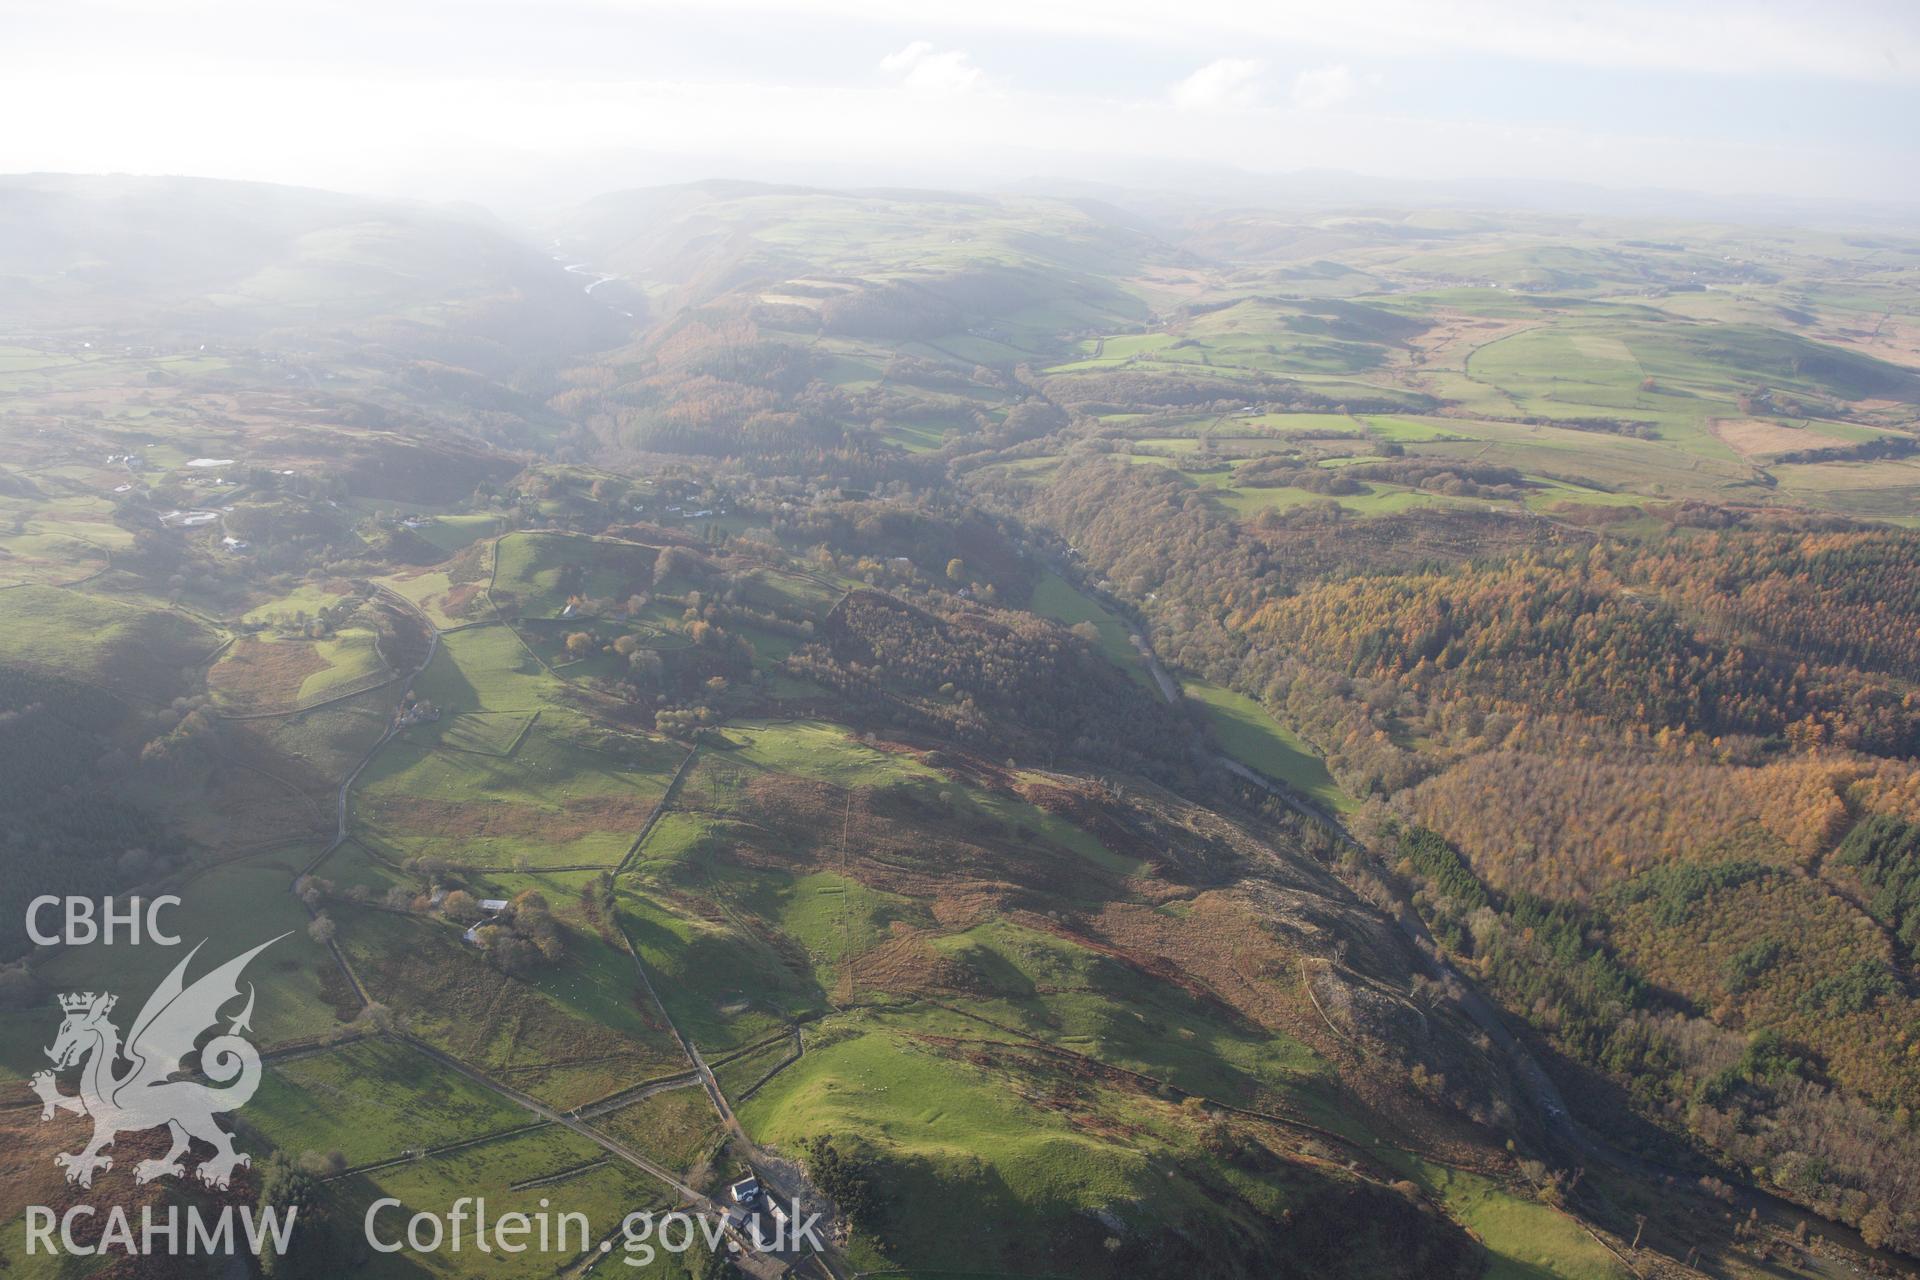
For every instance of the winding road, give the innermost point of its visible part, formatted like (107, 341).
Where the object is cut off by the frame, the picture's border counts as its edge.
(750, 1260)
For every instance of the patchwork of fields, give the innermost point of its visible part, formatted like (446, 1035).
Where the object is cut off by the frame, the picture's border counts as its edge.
(745, 748)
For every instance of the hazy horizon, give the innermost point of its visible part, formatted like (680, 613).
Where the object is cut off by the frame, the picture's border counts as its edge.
(1743, 104)
(1088, 640)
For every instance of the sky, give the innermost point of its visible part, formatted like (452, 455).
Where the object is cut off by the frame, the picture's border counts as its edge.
(515, 103)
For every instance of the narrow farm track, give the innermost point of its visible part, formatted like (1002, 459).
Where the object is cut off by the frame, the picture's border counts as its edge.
(429, 1153)
(283, 712)
(799, 1051)
(634, 1093)
(764, 1167)
(759, 1265)
(754, 1263)
(666, 798)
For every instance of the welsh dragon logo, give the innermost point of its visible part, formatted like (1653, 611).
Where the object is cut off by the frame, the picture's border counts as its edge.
(146, 1094)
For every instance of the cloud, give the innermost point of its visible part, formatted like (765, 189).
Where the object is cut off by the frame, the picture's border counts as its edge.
(924, 69)
(1856, 40)
(1324, 87)
(1222, 83)
(1241, 83)
(901, 61)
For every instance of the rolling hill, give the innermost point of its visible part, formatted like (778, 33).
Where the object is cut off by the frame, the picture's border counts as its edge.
(1236, 741)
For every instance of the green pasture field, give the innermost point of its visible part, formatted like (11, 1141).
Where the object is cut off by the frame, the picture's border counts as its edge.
(352, 864)
(427, 589)
(453, 533)
(49, 555)
(1263, 744)
(1526, 1240)
(605, 1193)
(1676, 376)
(915, 437)
(978, 1152)
(723, 986)
(118, 643)
(1166, 444)
(487, 733)
(1036, 985)
(1885, 489)
(27, 370)
(1013, 813)
(788, 593)
(770, 648)
(820, 749)
(1379, 499)
(851, 368)
(971, 349)
(1167, 362)
(1054, 597)
(307, 600)
(679, 835)
(597, 978)
(1574, 371)
(1224, 445)
(549, 640)
(445, 603)
(550, 1037)
(1524, 267)
(223, 911)
(831, 917)
(353, 659)
(1653, 468)
(1405, 430)
(31, 359)
(1338, 388)
(828, 752)
(1291, 423)
(1121, 346)
(1275, 349)
(738, 1074)
(486, 668)
(373, 1100)
(676, 1127)
(532, 567)
(1250, 337)
(332, 739)
(966, 1147)
(553, 802)
(1551, 493)
(56, 538)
